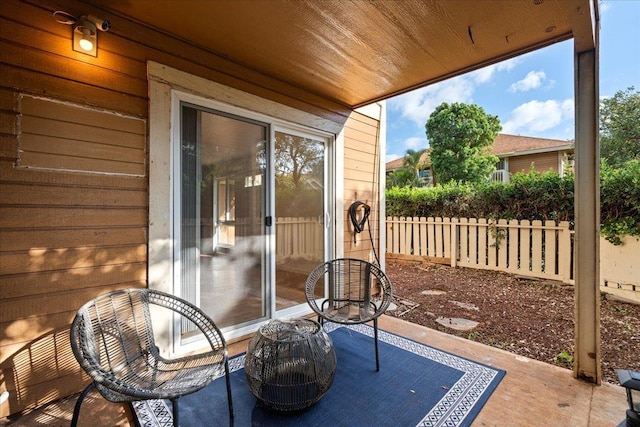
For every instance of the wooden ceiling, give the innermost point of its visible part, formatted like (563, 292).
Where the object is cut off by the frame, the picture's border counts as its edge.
(358, 51)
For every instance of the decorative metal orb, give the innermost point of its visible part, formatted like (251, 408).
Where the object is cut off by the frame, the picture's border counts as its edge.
(290, 364)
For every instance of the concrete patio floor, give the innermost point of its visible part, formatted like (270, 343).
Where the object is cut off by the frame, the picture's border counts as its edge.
(531, 394)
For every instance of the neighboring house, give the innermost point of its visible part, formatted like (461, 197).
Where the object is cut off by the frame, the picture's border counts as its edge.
(149, 160)
(516, 153)
(521, 153)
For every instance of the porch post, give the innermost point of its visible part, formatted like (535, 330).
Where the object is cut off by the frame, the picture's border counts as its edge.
(587, 352)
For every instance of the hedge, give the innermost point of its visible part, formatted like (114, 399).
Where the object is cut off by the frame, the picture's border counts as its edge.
(532, 195)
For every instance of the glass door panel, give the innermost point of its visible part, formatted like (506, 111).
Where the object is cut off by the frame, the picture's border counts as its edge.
(299, 163)
(221, 232)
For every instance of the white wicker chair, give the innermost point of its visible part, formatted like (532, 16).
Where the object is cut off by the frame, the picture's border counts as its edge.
(112, 338)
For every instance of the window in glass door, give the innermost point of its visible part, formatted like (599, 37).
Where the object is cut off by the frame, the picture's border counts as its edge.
(300, 197)
(222, 237)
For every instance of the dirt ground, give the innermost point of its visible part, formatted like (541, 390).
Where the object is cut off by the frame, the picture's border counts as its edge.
(529, 317)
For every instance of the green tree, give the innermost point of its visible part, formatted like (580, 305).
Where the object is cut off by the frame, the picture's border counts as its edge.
(620, 127)
(402, 177)
(412, 161)
(461, 137)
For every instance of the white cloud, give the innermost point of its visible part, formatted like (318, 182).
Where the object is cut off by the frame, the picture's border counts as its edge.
(485, 74)
(532, 80)
(419, 104)
(604, 7)
(415, 143)
(535, 116)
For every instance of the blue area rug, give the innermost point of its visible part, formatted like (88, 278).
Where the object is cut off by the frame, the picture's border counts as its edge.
(417, 385)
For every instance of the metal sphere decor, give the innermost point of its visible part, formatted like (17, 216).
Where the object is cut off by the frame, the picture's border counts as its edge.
(290, 364)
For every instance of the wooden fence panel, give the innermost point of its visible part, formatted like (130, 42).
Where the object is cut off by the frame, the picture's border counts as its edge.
(550, 248)
(299, 238)
(536, 247)
(403, 236)
(415, 235)
(473, 241)
(513, 236)
(503, 244)
(482, 243)
(492, 246)
(454, 246)
(438, 233)
(527, 248)
(423, 237)
(446, 238)
(565, 252)
(463, 235)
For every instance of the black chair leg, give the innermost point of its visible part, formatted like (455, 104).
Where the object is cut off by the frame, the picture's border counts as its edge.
(226, 369)
(134, 416)
(375, 337)
(76, 409)
(174, 405)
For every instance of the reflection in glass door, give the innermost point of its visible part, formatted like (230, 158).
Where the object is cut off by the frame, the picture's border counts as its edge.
(220, 230)
(299, 162)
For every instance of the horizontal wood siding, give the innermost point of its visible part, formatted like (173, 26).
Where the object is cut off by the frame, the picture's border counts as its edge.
(542, 162)
(77, 228)
(361, 182)
(69, 137)
(74, 181)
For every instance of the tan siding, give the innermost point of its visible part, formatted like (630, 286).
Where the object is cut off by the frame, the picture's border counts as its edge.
(69, 137)
(541, 162)
(8, 124)
(69, 236)
(44, 282)
(361, 151)
(34, 216)
(64, 237)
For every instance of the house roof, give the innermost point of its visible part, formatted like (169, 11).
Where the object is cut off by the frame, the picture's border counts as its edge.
(354, 52)
(504, 145)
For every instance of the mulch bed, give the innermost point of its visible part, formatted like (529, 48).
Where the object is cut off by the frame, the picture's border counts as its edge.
(529, 317)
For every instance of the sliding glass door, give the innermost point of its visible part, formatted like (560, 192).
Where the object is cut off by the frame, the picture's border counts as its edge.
(300, 196)
(222, 210)
(250, 215)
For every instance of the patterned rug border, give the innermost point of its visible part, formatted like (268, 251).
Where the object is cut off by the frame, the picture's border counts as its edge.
(454, 407)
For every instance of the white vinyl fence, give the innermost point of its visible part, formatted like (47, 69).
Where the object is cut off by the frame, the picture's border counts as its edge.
(530, 248)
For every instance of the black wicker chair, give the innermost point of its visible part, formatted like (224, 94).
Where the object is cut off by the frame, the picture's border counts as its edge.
(357, 291)
(112, 338)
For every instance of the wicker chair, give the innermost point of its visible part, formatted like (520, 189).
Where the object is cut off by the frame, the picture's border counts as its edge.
(357, 292)
(112, 338)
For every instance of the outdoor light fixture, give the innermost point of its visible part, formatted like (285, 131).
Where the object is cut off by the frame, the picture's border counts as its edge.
(85, 31)
(85, 38)
(631, 381)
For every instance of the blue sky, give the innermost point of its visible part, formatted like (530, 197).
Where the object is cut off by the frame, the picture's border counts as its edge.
(531, 94)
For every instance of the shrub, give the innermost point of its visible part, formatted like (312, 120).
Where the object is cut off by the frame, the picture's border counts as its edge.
(532, 196)
(620, 201)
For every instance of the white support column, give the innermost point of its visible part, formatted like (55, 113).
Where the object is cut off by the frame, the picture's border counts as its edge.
(587, 352)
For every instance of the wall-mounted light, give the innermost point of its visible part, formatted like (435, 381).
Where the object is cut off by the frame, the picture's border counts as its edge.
(85, 31)
(85, 37)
